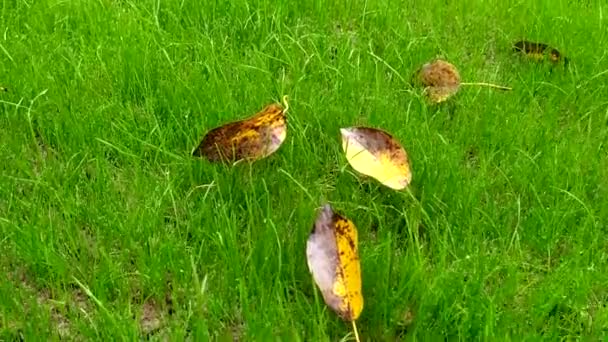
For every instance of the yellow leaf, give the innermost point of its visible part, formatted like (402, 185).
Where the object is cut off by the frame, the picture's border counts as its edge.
(377, 154)
(250, 139)
(333, 260)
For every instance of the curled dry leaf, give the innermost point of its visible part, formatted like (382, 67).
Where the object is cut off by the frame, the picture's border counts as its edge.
(250, 139)
(377, 154)
(441, 80)
(539, 51)
(333, 259)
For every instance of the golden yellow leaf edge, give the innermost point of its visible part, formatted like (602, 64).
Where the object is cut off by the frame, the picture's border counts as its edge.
(349, 268)
(348, 281)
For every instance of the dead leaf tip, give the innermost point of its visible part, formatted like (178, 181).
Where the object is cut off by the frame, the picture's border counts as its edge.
(326, 212)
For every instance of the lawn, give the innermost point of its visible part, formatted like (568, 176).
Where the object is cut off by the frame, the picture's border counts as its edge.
(111, 230)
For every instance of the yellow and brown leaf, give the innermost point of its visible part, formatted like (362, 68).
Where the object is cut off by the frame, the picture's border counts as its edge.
(539, 51)
(375, 153)
(333, 259)
(253, 138)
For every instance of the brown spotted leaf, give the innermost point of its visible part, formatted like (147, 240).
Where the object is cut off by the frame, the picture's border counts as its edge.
(251, 139)
(441, 80)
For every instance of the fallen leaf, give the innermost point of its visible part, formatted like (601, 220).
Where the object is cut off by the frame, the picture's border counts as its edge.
(408, 317)
(441, 80)
(251, 139)
(333, 260)
(377, 154)
(539, 51)
(151, 318)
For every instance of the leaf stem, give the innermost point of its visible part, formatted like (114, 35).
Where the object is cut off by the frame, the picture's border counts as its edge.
(355, 330)
(486, 85)
(285, 104)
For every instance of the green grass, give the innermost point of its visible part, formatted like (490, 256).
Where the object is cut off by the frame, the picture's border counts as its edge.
(110, 230)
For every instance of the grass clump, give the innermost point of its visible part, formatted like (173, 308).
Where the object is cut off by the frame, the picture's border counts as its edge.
(110, 229)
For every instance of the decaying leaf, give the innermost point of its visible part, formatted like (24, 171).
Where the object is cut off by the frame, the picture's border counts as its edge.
(250, 139)
(441, 80)
(377, 154)
(539, 51)
(333, 259)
